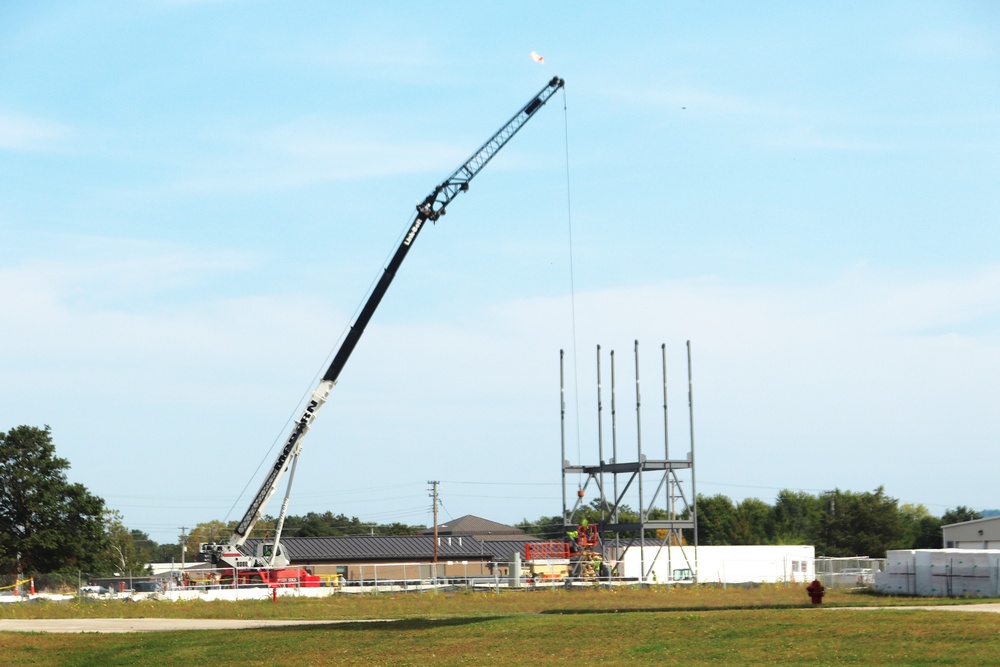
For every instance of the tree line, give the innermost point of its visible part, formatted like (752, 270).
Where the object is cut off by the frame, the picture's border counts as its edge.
(48, 524)
(51, 525)
(837, 523)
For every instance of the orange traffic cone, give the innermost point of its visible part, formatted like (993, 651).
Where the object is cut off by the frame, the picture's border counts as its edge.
(32, 586)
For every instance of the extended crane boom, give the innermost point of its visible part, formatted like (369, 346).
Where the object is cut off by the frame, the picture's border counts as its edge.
(431, 208)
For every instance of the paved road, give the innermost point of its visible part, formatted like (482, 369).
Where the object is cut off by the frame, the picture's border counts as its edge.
(989, 607)
(106, 625)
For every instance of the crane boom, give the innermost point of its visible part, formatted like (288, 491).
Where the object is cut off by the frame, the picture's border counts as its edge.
(431, 208)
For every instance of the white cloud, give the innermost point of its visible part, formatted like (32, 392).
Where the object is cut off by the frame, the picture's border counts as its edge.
(853, 382)
(949, 43)
(306, 151)
(31, 135)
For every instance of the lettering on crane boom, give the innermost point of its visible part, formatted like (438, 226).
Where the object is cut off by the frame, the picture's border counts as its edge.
(294, 437)
(413, 230)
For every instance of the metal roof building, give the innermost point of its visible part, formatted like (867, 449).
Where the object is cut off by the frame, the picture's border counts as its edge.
(975, 534)
(371, 548)
(481, 529)
(363, 557)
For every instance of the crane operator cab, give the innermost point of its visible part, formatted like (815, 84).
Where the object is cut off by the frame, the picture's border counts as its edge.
(265, 550)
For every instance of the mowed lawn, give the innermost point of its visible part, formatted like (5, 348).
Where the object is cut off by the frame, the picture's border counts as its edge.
(640, 628)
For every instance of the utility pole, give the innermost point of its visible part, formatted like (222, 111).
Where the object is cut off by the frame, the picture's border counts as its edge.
(434, 495)
(183, 545)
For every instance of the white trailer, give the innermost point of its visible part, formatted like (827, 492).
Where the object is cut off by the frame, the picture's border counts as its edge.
(721, 565)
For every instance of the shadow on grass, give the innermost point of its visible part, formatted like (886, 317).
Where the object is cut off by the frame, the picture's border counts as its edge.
(402, 624)
(662, 610)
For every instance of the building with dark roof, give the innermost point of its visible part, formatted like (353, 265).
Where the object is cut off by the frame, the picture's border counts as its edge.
(405, 557)
(481, 529)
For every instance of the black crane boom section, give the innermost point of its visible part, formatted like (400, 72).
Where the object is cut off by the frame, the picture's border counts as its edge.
(431, 208)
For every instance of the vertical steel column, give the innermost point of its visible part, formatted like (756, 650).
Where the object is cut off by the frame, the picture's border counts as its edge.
(562, 428)
(600, 433)
(638, 442)
(614, 449)
(694, 491)
(668, 472)
(666, 430)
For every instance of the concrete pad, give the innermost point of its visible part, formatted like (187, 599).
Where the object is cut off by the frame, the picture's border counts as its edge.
(982, 608)
(986, 607)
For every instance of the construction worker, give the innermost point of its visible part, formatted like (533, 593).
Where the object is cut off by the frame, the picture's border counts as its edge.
(572, 535)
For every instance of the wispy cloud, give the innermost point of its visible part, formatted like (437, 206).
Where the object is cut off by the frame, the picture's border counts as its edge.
(949, 43)
(701, 101)
(866, 364)
(310, 150)
(32, 135)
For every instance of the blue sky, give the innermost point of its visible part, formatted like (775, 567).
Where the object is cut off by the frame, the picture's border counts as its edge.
(195, 197)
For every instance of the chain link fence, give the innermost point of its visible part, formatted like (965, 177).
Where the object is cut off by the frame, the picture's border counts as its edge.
(849, 572)
(378, 578)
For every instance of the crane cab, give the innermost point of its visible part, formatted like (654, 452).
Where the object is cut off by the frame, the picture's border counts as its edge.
(265, 550)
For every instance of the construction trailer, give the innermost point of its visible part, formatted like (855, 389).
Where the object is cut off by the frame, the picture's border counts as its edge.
(721, 564)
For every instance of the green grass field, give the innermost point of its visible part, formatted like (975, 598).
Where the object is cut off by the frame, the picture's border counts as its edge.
(693, 625)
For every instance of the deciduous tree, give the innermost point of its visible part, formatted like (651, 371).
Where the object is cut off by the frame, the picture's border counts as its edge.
(126, 554)
(716, 520)
(959, 515)
(46, 522)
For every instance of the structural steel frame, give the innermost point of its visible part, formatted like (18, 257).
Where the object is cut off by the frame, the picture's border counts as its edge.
(665, 531)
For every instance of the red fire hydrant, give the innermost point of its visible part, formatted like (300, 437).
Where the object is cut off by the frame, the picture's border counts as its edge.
(816, 590)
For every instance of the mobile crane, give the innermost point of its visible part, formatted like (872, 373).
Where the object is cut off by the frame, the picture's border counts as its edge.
(269, 564)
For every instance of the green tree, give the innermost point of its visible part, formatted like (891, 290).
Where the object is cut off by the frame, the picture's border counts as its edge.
(862, 524)
(328, 524)
(752, 523)
(546, 527)
(126, 551)
(920, 529)
(796, 518)
(959, 515)
(716, 520)
(209, 531)
(165, 552)
(52, 524)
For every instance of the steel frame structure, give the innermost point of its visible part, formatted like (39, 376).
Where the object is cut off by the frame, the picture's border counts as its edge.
(674, 479)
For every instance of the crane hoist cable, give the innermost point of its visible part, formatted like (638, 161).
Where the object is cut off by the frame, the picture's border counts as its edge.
(572, 278)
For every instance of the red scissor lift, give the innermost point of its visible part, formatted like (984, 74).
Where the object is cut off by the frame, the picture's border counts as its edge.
(572, 557)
